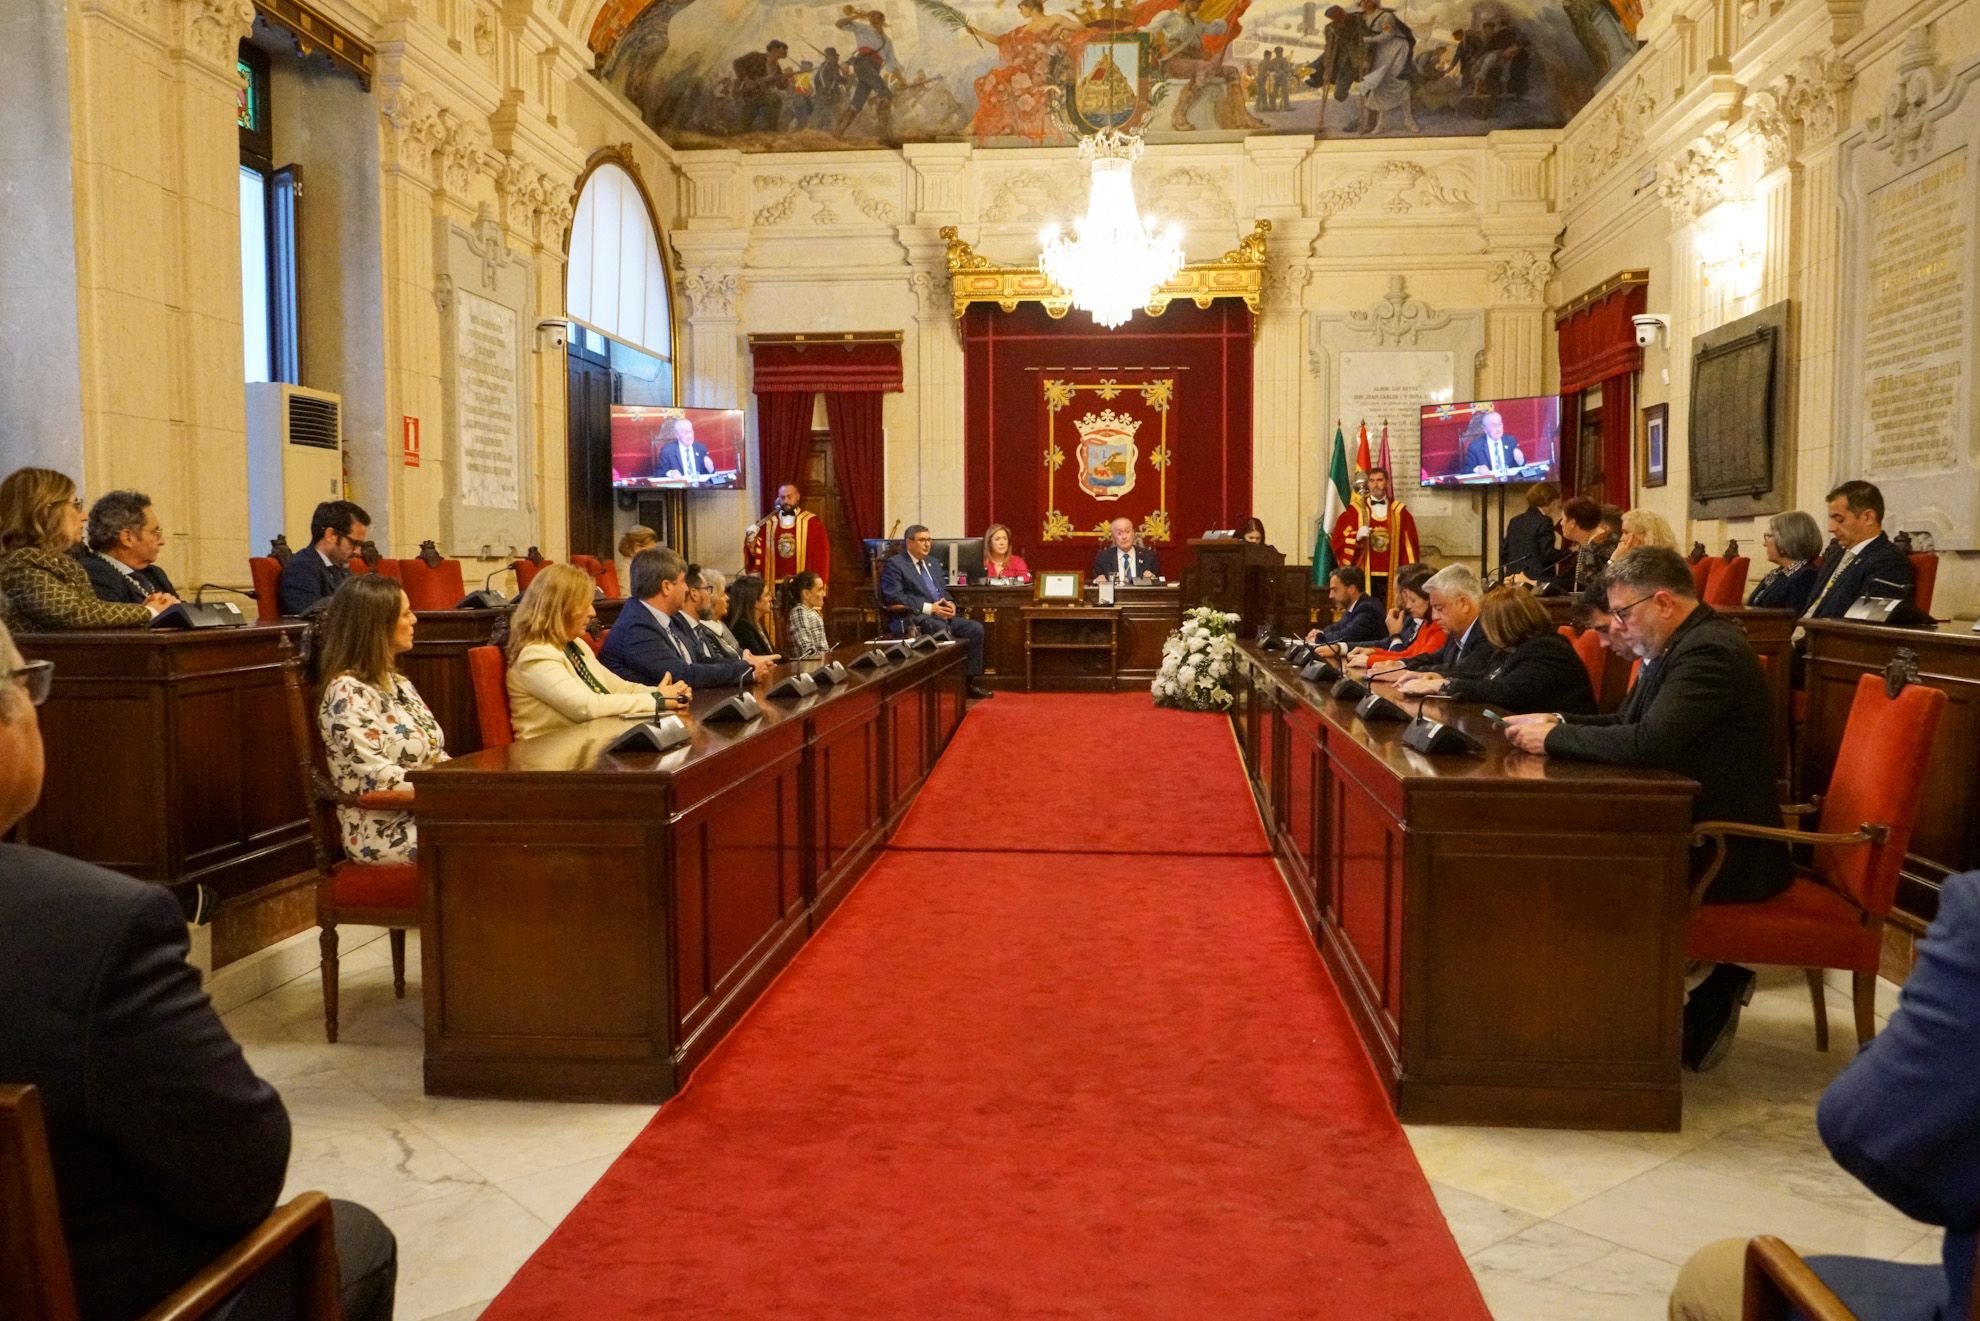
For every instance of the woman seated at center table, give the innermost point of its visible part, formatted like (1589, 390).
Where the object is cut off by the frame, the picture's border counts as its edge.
(1000, 562)
(554, 680)
(1540, 672)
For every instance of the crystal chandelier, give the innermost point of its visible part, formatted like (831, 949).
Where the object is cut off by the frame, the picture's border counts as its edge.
(1115, 260)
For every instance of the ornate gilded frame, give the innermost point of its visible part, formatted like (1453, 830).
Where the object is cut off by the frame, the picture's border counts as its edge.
(1158, 394)
(1239, 273)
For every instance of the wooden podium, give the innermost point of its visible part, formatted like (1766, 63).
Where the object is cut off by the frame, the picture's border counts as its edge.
(1241, 577)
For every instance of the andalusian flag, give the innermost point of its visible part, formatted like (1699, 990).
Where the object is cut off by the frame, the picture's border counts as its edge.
(1338, 493)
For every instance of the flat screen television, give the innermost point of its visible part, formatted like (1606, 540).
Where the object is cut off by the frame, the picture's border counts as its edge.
(1457, 441)
(676, 449)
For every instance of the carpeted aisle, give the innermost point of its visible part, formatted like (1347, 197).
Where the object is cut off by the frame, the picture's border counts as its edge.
(1026, 1084)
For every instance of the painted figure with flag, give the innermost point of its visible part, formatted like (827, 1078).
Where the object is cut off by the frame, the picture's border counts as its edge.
(1374, 531)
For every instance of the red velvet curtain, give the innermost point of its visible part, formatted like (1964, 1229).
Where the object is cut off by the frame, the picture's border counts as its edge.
(783, 429)
(1598, 347)
(860, 448)
(852, 377)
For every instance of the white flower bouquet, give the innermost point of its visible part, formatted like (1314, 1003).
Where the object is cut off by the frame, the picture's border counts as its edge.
(1197, 660)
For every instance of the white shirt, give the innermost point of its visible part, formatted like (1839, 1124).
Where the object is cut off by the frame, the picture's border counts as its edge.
(928, 577)
(1124, 559)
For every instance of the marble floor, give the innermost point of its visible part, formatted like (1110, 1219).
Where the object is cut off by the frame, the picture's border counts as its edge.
(1558, 1226)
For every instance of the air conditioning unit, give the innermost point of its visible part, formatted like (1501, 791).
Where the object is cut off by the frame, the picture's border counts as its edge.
(295, 459)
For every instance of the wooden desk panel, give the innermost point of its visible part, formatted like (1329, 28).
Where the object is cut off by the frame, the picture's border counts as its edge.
(1148, 616)
(1507, 931)
(169, 759)
(437, 666)
(1946, 839)
(596, 922)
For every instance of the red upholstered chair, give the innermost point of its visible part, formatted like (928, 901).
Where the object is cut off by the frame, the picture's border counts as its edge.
(432, 587)
(1588, 646)
(603, 572)
(1726, 588)
(266, 571)
(1833, 914)
(1701, 573)
(366, 894)
(526, 570)
(489, 674)
(1925, 573)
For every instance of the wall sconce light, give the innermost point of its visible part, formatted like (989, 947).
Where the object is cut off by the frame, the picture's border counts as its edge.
(1732, 250)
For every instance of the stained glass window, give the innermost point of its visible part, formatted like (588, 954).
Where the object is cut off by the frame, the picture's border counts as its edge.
(247, 105)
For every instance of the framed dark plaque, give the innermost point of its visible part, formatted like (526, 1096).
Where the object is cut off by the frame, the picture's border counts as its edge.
(1740, 417)
(1656, 444)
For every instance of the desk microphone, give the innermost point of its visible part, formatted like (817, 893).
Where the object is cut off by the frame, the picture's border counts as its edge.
(199, 592)
(1390, 669)
(488, 598)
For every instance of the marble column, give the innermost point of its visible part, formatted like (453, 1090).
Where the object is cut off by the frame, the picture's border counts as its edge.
(1287, 463)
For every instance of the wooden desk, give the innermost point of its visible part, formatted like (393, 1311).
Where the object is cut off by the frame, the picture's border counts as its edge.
(1072, 648)
(1147, 616)
(169, 759)
(1507, 931)
(596, 922)
(1946, 838)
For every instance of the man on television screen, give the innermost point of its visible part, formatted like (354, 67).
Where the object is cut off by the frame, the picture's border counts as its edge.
(681, 455)
(1492, 451)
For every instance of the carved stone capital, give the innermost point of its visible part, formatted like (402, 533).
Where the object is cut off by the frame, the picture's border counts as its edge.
(461, 148)
(1285, 279)
(932, 301)
(213, 30)
(1522, 276)
(1698, 178)
(711, 292)
(1399, 317)
(1803, 108)
(1904, 129)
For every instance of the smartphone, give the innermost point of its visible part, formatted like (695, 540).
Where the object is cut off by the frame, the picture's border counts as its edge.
(1494, 717)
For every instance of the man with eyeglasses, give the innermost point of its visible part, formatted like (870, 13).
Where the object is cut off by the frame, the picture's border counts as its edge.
(912, 589)
(335, 531)
(166, 1146)
(1699, 708)
(123, 540)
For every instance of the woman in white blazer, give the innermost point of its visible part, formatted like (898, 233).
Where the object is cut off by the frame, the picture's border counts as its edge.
(554, 680)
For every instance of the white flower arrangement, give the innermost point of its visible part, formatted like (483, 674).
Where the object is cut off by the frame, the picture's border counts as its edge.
(1197, 662)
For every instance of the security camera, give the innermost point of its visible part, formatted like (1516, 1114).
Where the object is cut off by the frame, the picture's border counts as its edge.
(1648, 326)
(552, 334)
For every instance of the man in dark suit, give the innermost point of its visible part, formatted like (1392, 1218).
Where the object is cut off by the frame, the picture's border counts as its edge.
(1904, 1117)
(1492, 450)
(1361, 620)
(166, 1146)
(681, 455)
(911, 582)
(312, 575)
(654, 639)
(1527, 544)
(124, 538)
(1122, 560)
(1867, 563)
(1699, 708)
(1455, 598)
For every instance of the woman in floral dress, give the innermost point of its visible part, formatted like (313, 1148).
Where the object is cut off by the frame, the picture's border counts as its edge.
(375, 725)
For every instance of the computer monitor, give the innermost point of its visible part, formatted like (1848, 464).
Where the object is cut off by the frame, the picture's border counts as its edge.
(968, 556)
(676, 449)
(1457, 446)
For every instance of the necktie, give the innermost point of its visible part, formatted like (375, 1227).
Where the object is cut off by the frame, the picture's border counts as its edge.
(1842, 562)
(684, 638)
(1498, 455)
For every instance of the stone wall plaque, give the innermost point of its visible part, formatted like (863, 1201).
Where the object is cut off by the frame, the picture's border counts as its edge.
(484, 294)
(1907, 417)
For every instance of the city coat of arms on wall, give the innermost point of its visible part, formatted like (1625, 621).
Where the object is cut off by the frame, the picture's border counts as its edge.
(1107, 454)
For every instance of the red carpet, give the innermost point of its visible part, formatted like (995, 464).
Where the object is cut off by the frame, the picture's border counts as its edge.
(1026, 1084)
(1087, 774)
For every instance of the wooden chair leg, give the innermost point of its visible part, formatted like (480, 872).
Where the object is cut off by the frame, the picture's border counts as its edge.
(1864, 985)
(1819, 995)
(327, 942)
(397, 935)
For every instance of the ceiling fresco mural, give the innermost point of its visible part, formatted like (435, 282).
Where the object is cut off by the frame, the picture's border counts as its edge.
(792, 75)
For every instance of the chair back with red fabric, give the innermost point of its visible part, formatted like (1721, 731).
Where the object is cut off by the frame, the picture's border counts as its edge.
(1701, 572)
(1925, 573)
(525, 570)
(1635, 668)
(1726, 589)
(1879, 774)
(603, 572)
(489, 674)
(589, 563)
(266, 571)
(1588, 646)
(432, 587)
(393, 569)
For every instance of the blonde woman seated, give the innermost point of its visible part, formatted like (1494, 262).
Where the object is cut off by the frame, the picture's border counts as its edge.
(1640, 527)
(803, 597)
(554, 680)
(375, 725)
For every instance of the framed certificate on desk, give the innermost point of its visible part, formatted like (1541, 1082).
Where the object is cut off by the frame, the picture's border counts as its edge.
(1060, 587)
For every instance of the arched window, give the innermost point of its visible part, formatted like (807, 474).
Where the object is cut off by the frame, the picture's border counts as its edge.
(615, 282)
